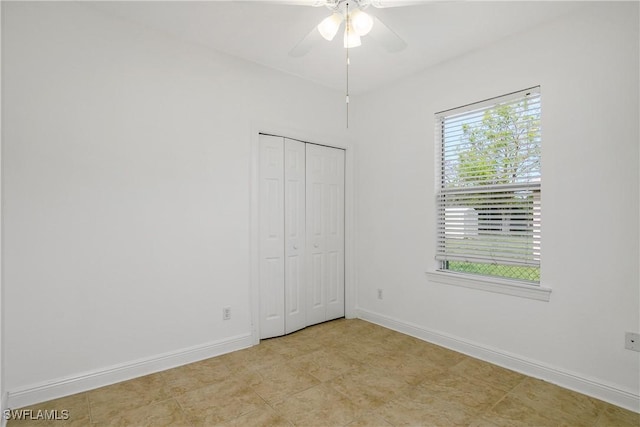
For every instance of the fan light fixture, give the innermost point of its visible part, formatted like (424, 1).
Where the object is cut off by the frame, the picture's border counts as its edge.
(330, 26)
(361, 22)
(357, 24)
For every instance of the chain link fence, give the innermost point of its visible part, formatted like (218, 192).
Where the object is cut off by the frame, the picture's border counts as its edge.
(530, 274)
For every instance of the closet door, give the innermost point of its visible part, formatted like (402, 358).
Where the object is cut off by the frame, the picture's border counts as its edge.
(294, 229)
(301, 219)
(272, 241)
(325, 233)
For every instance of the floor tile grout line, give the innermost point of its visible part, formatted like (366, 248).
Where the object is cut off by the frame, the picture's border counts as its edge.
(86, 400)
(490, 407)
(183, 410)
(504, 396)
(279, 412)
(89, 407)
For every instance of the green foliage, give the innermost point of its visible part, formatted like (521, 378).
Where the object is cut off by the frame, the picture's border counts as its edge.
(501, 148)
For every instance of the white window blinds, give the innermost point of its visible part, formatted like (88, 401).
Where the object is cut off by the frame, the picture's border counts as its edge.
(488, 201)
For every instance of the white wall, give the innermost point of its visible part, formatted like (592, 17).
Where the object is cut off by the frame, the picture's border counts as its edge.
(126, 174)
(587, 66)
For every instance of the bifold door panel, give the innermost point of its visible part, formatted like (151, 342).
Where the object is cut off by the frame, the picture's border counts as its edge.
(325, 233)
(271, 236)
(301, 235)
(294, 229)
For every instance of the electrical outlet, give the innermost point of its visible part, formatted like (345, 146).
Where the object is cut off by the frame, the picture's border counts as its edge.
(226, 313)
(379, 293)
(632, 341)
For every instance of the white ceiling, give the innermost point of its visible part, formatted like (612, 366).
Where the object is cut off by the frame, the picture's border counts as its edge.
(264, 32)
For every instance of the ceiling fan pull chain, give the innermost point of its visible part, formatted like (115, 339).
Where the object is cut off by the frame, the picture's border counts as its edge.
(347, 30)
(347, 91)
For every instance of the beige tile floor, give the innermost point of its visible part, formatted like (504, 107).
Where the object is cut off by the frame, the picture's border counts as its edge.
(340, 373)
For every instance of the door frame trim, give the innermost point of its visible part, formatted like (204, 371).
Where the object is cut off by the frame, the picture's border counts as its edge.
(311, 137)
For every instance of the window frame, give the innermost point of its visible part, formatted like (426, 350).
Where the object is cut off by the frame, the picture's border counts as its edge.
(498, 284)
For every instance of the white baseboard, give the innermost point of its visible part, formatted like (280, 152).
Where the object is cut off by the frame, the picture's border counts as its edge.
(101, 377)
(570, 380)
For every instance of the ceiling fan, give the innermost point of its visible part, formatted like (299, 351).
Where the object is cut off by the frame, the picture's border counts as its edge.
(357, 24)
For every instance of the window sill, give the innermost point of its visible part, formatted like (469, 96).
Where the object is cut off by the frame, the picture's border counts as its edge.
(497, 285)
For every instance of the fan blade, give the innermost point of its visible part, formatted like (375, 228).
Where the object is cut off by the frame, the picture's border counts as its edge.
(386, 36)
(314, 3)
(397, 3)
(306, 44)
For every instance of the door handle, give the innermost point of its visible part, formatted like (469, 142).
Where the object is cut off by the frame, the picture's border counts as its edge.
(315, 245)
(295, 247)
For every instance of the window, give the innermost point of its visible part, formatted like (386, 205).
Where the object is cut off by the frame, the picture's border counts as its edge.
(488, 197)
